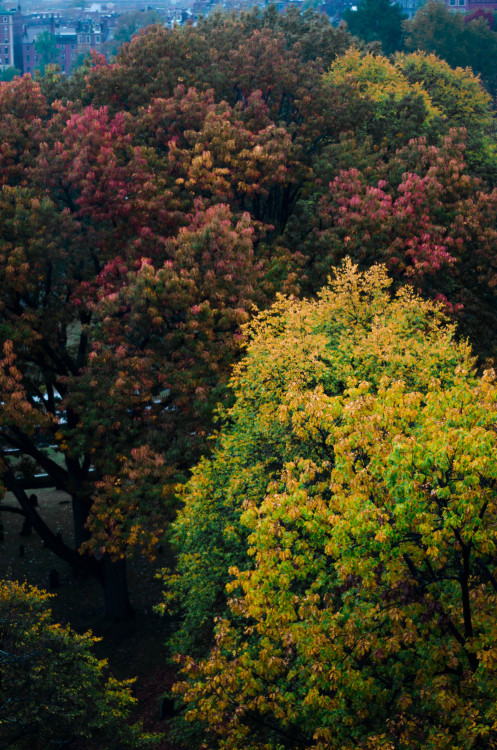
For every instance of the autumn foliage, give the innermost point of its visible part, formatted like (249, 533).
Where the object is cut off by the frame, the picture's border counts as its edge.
(53, 690)
(139, 230)
(340, 526)
(353, 494)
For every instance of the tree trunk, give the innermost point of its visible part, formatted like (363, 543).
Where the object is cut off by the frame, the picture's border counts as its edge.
(112, 575)
(53, 542)
(116, 597)
(80, 511)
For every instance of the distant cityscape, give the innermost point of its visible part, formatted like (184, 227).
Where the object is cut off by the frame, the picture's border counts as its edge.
(76, 28)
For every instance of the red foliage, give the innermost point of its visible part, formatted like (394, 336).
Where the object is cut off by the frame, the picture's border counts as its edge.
(480, 13)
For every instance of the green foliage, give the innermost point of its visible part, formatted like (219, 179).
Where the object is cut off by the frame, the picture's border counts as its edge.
(46, 48)
(378, 77)
(401, 109)
(420, 94)
(461, 98)
(260, 437)
(53, 691)
(376, 21)
(458, 93)
(363, 612)
(9, 73)
(435, 29)
(129, 24)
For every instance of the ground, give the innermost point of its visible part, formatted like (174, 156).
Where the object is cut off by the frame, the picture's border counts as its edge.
(133, 649)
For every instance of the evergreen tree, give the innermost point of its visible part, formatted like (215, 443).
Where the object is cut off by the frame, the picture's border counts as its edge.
(377, 21)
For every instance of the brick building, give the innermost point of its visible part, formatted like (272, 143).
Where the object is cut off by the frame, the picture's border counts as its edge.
(469, 6)
(72, 41)
(10, 36)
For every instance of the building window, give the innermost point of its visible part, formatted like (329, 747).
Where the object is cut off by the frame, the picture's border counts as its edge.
(88, 39)
(27, 58)
(6, 60)
(80, 39)
(97, 39)
(72, 46)
(28, 70)
(36, 58)
(6, 50)
(462, 2)
(5, 20)
(72, 55)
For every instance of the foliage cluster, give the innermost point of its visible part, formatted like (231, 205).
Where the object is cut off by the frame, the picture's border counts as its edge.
(376, 21)
(148, 204)
(461, 39)
(148, 207)
(451, 36)
(341, 539)
(52, 689)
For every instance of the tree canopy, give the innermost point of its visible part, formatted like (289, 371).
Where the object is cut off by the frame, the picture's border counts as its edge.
(335, 574)
(353, 492)
(46, 47)
(52, 689)
(129, 24)
(376, 21)
(435, 29)
(148, 205)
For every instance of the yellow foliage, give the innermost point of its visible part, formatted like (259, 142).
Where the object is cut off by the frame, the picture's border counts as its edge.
(377, 78)
(357, 470)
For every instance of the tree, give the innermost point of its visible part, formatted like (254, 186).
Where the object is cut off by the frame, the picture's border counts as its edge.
(376, 21)
(358, 610)
(46, 48)
(9, 73)
(426, 218)
(53, 691)
(480, 13)
(419, 94)
(122, 294)
(461, 98)
(399, 109)
(312, 33)
(435, 29)
(129, 24)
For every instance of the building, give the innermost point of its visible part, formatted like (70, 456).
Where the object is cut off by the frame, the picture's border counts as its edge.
(410, 7)
(10, 37)
(469, 6)
(71, 42)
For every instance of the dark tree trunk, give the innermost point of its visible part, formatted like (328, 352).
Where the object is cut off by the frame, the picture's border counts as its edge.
(112, 575)
(53, 542)
(116, 597)
(80, 511)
